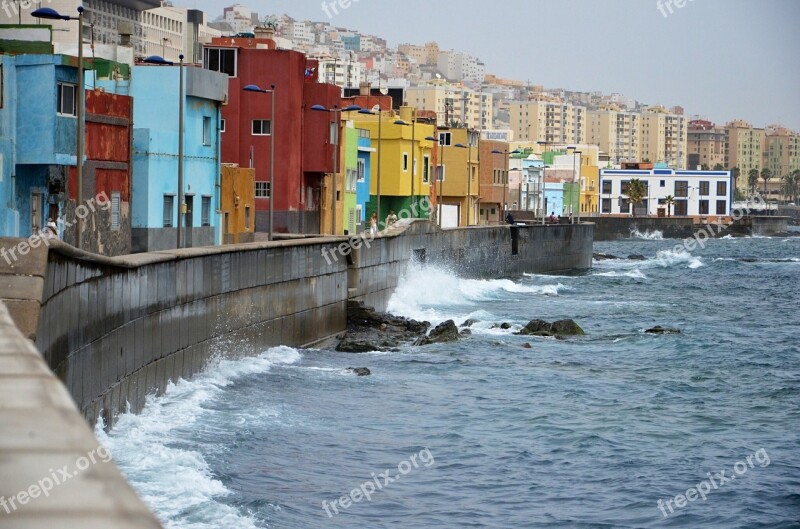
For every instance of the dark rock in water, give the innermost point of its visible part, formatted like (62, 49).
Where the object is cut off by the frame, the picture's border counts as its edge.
(748, 260)
(443, 333)
(368, 330)
(505, 326)
(465, 332)
(603, 257)
(637, 257)
(527, 346)
(559, 328)
(469, 323)
(658, 329)
(360, 371)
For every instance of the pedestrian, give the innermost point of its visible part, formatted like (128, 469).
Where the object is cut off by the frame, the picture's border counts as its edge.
(509, 218)
(373, 224)
(391, 219)
(552, 217)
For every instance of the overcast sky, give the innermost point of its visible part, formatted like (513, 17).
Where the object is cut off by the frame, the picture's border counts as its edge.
(723, 59)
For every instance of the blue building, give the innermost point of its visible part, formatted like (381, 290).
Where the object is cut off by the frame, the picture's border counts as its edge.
(155, 207)
(554, 196)
(38, 132)
(365, 150)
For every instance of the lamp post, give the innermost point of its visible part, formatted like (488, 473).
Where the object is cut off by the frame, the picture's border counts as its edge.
(51, 14)
(271, 91)
(337, 112)
(571, 197)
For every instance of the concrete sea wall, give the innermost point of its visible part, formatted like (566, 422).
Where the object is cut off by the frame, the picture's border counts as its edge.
(613, 228)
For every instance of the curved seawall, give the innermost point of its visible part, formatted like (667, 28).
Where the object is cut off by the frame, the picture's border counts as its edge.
(113, 330)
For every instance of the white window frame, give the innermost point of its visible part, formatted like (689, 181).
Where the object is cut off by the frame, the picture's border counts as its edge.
(60, 101)
(261, 122)
(207, 131)
(115, 210)
(263, 190)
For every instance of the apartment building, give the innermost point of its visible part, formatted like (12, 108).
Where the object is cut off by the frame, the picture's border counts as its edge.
(461, 67)
(240, 18)
(616, 132)
(548, 119)
(782, 151)
(453, 102)
(427, 55)
(745, 149)
(663, 137)
(706, 144)
(171, 31)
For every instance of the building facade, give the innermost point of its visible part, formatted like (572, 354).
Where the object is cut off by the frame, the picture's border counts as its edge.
(745, 150)
(663, 137)
(706, 145)
(694, 193)
(453, 104)
(550, 121)
(617, 133)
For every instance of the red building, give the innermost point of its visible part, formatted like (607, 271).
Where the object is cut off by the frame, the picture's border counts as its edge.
(303, 151)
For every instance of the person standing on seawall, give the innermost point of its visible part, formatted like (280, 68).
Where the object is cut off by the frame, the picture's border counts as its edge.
(373, 224)
(510, 218)
(391, 219)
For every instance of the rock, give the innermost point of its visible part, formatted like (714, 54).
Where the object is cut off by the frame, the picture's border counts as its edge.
(603, 257)
(637, 257)
(527, 346)
(559, 329)
(443, 333)
(469, 323)
(505, 326)
(465, 332)
(369, 330)
(658, 329)
(567, 328)
(360, 371)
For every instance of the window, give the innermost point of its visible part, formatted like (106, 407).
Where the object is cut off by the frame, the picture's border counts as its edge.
(169, 210)
(350, 180)
(262, 190)
(414, 169)
(222, 125)
(445, 139)
(206, 130)
(625, 185)
(606, 205)
(67, 95)
(220, 60)
(115, 207)
(362, 170)
(722, 206)
(704, 207)
(663, 183)
(681, 189)
(607, 187)
(681, 208)
(722, 189)
(405, 162)
(624, 205)
(704, 188)
(247, 218)
(440, 173)
(262, 127)
(205, 211)
(426, 169)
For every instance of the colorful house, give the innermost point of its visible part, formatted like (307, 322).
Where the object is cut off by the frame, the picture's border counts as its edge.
(363, 181)
(461, 185)
(350, 169)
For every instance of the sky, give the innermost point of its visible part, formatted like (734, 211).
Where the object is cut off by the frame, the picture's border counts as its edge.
(721, 59)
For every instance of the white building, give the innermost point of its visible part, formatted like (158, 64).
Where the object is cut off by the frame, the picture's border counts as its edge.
(171, 31)
(460, 67)
(346, 71)
(695, 193)
(240, 18)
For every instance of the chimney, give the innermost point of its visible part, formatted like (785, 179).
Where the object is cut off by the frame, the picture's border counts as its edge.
(263, 32)
(365, 89)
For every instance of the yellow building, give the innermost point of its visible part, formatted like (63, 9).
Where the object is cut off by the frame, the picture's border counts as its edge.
(402, 164)
(461, 186)
(746, 146)
(616, 132)
(590, 185)
(237, 204)
(547, 119)
(663, 137)
(453, 102)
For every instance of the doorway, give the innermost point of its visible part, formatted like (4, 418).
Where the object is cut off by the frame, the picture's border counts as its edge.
(36, 212)
(189, 222)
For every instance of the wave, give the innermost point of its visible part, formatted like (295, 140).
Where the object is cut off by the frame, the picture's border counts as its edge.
(663, 259)
(424, 291)
(635, 274)
(175, 481)
(655, 235)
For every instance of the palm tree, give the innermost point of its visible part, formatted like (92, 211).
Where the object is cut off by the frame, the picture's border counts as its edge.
(796, 190)
(669, 200)
(637, 190)
(788, 187)
(752, 180)
(719, 167)
(736, 173)
(766, 175)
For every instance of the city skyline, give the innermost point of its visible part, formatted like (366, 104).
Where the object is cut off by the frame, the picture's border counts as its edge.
(720, 60)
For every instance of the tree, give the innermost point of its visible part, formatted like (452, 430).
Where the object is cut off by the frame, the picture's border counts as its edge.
(752, 180)
(796, 191)
(704, 167)
(669, 200)
(736, 173)
(766, 175)
(637, 190)
(791, 186)
(719, 167)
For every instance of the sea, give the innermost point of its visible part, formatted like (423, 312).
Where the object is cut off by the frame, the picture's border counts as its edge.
(615, 429)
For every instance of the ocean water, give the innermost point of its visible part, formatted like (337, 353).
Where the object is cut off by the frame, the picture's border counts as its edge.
(486, 433)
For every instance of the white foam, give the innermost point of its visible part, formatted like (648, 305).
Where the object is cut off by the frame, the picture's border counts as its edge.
(635, 274)
(176, 482)
(655, 235)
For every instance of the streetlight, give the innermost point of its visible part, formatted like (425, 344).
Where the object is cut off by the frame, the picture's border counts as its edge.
(271, 92)
(51, 14)
(437, 177)
(337, 112)
(571, 198)
(506, 153)
(160, 61)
